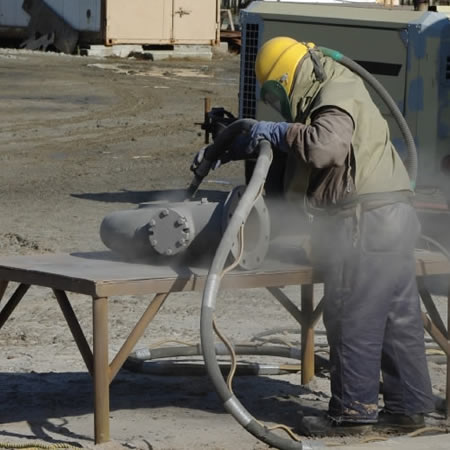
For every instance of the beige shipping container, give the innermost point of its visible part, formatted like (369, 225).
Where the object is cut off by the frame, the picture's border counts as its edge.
(162, 22)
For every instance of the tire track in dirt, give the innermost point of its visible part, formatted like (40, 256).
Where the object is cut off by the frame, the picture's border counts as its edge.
(93, 126)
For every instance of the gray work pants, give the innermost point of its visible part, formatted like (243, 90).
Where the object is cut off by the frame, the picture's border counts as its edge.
(372, 313)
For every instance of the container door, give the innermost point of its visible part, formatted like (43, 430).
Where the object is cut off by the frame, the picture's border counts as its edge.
(194, 21)
(138, 21)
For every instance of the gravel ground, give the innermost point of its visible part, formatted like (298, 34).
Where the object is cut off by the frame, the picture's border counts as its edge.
(81, 137)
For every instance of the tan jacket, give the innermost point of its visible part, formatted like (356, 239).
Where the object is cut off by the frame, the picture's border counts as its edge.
(340, 148)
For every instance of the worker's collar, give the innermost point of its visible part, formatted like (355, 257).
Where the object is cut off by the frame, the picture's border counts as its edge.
(310, 75)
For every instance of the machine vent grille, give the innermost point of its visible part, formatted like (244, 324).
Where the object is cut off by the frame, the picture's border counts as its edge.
(248, 79)
(447, 69)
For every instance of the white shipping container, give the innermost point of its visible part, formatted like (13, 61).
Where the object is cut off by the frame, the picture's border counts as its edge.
(83, 15)
(162, 22)
(129, 22)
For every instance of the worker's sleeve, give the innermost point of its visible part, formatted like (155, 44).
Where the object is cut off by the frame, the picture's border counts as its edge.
(326, 141)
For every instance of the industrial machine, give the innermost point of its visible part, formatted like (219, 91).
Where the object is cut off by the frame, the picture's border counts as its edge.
(407, 51)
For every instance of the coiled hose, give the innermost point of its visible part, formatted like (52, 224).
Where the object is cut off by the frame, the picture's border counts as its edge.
(411, 160)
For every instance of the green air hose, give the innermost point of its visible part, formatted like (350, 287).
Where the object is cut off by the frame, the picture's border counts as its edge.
(411, 161)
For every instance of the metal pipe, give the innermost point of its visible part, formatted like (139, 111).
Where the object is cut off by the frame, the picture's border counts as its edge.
(220, 349)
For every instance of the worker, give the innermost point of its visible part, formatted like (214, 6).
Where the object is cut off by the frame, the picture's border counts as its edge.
(344, 171)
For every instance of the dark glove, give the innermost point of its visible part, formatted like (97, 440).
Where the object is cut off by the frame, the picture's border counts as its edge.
(240, 149)
(245, 145)
(274, 132)
(201, 164)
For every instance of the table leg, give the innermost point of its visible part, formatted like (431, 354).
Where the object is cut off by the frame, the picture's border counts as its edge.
(75, 328)
(101, 370)
(307, 333)
(3, 286)
(136, 333)
(10, 306)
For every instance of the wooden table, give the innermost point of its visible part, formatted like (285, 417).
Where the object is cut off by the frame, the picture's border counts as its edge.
(101, 275)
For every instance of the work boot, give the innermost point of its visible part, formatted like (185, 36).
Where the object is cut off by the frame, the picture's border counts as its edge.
(320, 426)
(400, 423)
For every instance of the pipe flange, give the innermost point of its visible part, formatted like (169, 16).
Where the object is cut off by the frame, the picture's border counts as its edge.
(256, 230)
(169, 232)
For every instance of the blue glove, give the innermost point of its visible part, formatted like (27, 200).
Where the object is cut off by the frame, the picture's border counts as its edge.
(274, 132)
(244, 146)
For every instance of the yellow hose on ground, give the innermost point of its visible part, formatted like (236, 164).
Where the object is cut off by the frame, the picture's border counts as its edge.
(36, 445)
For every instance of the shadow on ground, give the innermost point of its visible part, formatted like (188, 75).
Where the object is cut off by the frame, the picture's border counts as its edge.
(44, 400)
(136, 197)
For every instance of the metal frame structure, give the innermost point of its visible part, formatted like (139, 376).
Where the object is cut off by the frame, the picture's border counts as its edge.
(101, 275)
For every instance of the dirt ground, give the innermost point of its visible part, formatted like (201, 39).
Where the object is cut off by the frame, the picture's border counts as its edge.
(81, 137)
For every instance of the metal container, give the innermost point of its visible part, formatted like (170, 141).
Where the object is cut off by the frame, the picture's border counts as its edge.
(109, 22)
(407, 51)
(162, 22)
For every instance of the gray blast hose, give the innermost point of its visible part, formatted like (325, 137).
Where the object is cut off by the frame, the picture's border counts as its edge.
(411, 161)
(231, 403)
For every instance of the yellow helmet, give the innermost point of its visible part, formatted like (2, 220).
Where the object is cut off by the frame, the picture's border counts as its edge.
(278, 58)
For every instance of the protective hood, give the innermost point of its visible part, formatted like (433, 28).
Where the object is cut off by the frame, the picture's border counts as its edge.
(314, 71)
(308, 78)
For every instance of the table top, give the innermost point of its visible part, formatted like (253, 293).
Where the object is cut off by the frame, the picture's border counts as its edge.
(102, 274)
